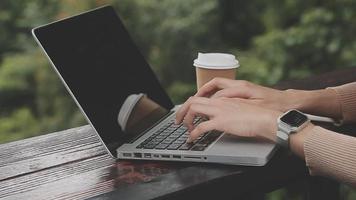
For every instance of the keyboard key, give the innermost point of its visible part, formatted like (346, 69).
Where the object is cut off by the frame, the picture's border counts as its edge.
(205, 141)
(179, 142)
(166, 142)
(149, 146)
(165, 126)
(164, 134)
(153, 143)
(161, 146)
(215, 134)
(158, 140)
(173, 146)
(182, 129)
(209, 138)
(186, 146)
(170, 129)
(161, 137)
(161, 129)
(183, 137)
(175, 126)
(198, 148)
(172, 137)
(176, 134)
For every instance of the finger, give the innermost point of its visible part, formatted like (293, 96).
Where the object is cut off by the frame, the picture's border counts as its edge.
(239, 92)
(212, 86)
(200, 129)
(182, 111)
(197, 110)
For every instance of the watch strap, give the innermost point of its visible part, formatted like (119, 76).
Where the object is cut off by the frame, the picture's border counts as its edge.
(282, 138)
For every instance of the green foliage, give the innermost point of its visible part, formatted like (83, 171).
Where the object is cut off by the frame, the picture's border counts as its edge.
(318, 42)
(169, 34)
(20, 124)
(179, 91)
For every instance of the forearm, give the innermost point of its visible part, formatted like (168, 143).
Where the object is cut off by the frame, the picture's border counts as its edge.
(318, 102)
(326, 153)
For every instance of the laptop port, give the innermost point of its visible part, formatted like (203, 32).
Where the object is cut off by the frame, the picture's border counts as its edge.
(127, 154)
(147, 155)
(138, 155)
(155, 155)
(192, 157)
(165, 156)
(177, 156)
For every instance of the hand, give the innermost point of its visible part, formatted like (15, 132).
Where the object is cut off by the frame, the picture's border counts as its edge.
(320, 102)
(230, 115)
(256, 94)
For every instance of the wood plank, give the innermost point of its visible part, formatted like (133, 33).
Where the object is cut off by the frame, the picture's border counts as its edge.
(62, 182)
(38, 153)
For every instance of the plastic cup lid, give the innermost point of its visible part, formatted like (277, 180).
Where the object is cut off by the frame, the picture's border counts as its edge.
(216, 61)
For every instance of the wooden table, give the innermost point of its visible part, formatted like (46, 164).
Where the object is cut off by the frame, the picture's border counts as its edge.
(72, 164)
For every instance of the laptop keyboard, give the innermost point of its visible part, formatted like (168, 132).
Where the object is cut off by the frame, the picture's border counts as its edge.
(173, 137)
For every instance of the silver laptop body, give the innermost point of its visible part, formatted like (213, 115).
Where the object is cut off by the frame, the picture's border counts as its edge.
(226, 149)
(82, 51)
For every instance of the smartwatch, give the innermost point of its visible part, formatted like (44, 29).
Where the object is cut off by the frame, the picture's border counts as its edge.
(288, 123)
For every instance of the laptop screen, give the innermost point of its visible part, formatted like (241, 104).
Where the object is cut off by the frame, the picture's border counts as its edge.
(106, 73)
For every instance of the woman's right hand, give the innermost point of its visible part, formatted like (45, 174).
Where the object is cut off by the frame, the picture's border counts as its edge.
(320, 102)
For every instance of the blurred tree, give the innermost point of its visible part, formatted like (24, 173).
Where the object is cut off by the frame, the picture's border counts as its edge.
(32, 100)
(177, 31)
(240, 21)
(318, 42)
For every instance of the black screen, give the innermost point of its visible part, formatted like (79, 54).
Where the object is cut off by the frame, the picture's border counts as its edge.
(102, 67)
(294, 118)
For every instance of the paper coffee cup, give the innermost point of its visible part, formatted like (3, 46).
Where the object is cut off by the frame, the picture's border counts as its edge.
(134, 109)
(211, 65)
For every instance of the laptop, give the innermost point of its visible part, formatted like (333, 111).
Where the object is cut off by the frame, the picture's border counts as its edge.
(123, 100)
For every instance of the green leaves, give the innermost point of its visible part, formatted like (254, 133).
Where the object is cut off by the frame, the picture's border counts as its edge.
(20, 124)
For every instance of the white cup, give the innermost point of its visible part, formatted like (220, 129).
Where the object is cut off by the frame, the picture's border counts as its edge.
(211, 65)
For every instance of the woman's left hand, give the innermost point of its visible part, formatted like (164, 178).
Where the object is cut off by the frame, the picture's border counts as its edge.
(230, 115)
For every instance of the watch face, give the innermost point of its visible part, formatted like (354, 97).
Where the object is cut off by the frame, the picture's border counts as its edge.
(294, 118)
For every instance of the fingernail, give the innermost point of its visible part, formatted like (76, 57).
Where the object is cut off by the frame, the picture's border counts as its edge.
(189, 140)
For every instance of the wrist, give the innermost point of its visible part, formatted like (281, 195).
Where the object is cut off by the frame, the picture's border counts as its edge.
(322, 102)
(272, 125)
(296, 99)
(299, 99)
(296, 140)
